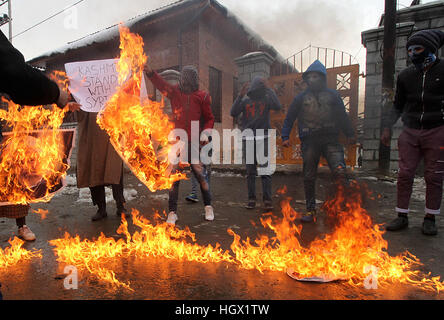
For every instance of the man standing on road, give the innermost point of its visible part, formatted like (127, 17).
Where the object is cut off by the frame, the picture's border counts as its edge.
(419, 99)
(255, 102)
(321, 116)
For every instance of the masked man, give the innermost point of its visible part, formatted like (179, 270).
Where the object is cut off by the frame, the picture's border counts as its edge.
(255, 102)
(321, 116)
(419, 99)
(189, 104)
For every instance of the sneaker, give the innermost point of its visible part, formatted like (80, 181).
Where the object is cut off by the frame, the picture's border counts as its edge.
(172, 218)
(209, 213)
(192, 197)
(251, 204)
(429, 227)
(26, 234)
(309, 216)
(99, 215)
(268, 205)
(398, 224)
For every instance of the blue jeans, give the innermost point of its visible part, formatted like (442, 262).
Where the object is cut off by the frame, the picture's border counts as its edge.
(195, 183)
(312, 150)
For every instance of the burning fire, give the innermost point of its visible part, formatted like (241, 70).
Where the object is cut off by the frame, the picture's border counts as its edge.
(32, 154)
(139, 132)
(348, 253)
(15, 254)
(138, 129)
(161, 240)
(42, 212)
(355, 245)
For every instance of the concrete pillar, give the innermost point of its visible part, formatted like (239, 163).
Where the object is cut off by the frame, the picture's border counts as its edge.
(253, 64)
(170, 76)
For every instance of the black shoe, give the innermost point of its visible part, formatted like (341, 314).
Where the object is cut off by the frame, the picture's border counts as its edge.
(398, 224)
(251, 204)
(268, 205)
(429, 227)
(101, 214)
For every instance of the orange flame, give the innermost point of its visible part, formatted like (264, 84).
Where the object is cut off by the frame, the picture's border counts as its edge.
(31, 154)
(162, 240)
(14, 254)
(138, 129)
(42, 212)
(354, 246)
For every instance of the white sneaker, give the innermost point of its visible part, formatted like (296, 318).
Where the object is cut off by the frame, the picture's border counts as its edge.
(209, 214)
(26, 234)
(172, 218)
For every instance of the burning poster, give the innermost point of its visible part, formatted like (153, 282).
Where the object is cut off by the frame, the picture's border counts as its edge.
(30, 180)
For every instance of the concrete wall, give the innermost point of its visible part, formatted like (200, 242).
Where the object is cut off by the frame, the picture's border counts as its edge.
(409, 20)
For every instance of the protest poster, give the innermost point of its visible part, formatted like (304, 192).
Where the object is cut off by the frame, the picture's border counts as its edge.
(93, 83)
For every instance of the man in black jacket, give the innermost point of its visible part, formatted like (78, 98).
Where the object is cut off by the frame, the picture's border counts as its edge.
(254, 103)
(419, 99)
(28, 86)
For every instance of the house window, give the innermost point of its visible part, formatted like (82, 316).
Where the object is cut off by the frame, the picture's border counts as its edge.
(216, 93)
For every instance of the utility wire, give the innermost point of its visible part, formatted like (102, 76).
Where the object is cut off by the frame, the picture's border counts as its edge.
(56, 14)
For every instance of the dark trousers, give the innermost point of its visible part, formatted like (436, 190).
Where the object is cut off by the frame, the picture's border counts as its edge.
(414, 145)
(251, 169)
(99, 199)
(312, 150)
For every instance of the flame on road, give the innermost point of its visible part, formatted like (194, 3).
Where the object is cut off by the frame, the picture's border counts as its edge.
(15, 254)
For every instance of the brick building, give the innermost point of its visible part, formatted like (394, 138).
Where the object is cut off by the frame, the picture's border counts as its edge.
(409, 20)
(198, 32)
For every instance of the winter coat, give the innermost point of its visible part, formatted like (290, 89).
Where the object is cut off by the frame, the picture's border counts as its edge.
(255, 108)
(186, 107)
(97, 161)
(419, 98)
(24, 84)
(320, 114)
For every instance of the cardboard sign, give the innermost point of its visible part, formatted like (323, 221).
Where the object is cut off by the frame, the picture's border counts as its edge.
(93, 83)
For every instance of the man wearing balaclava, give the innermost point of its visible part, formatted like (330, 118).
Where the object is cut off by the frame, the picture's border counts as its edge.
(321, 116)
(254, 102)
(419, 99)
(189, 104)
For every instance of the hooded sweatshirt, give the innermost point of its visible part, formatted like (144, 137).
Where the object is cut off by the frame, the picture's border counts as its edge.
(320, 113)
(256, 106)
(187, 106)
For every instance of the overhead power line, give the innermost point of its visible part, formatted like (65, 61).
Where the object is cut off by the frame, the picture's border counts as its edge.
(43, 21)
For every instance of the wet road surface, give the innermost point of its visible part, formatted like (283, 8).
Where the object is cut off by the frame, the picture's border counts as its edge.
(161, 278)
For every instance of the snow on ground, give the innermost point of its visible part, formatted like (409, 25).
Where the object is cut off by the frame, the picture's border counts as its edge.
(84, 195)
(163, 196)
(226, 174)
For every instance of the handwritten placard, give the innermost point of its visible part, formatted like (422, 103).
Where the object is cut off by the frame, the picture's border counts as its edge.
(93, 83)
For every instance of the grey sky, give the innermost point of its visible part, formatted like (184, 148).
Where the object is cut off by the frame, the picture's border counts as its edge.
(288, 25)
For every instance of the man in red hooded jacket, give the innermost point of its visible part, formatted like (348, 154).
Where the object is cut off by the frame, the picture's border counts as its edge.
(188, 104)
